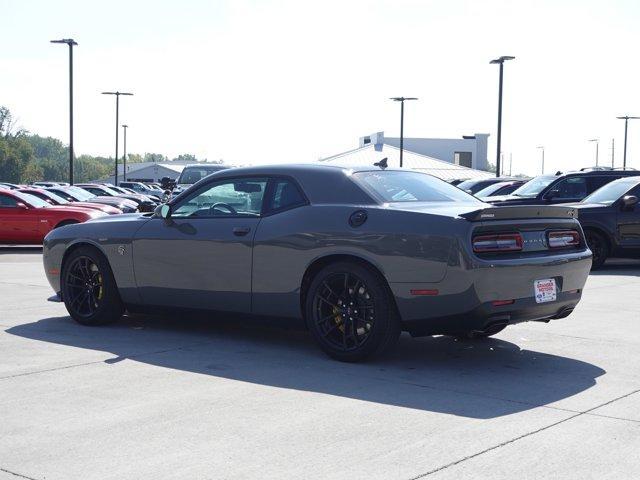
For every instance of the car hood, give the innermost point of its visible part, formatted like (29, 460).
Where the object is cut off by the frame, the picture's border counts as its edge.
(125, 217)
(114, 201)
(581, 207)
(68, 208)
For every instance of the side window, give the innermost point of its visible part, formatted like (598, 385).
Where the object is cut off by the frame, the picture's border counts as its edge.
(596, 182)
(285, 194)
(240, 196)
(572, 187)
(6, 201)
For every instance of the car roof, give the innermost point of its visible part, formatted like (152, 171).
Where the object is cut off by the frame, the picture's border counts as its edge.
(601, 173)
(314, 180)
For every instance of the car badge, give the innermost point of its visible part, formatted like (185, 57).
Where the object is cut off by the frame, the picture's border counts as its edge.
(121, 249)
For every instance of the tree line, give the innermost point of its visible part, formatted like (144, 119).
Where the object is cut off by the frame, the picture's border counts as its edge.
(26, 157)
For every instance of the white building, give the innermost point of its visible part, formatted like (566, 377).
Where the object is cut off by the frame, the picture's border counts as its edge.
(469, 151)
(371, 153)
(146, 172)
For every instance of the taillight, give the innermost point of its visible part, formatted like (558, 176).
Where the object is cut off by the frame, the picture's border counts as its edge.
(563, 239)
(500, 242)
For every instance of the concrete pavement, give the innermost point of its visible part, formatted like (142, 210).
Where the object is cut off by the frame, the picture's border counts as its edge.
(215, 398)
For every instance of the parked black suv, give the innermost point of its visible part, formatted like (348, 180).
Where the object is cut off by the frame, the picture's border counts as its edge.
(610, 218)
(564, 188)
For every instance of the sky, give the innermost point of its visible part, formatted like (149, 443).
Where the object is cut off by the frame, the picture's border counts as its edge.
(294, 81)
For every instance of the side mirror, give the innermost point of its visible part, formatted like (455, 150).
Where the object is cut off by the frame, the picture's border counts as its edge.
(163, 211)
(629, 201)
(21, 206)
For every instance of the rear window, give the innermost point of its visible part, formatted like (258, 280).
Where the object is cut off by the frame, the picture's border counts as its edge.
(397, 186)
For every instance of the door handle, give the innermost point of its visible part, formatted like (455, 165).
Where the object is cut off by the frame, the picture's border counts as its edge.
(241, 231)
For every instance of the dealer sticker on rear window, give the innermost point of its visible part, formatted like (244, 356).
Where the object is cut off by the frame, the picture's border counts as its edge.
(545, 290)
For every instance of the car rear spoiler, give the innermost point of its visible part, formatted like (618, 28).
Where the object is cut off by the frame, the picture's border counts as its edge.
(520, 212)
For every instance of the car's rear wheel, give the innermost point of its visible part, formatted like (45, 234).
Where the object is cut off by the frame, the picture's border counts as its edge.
(89, 290)
(598, 246)
(351, 313)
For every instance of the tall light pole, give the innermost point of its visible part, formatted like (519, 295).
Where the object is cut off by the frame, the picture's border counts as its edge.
(597, 142)
(401, 100)
(71, 42)
(124, 155)
(626, 119)
(542, 148)
(117, 94)
(500, 61)
(613, 152)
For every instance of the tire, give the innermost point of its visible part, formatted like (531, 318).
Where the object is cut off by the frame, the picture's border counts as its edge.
(89, 290)
(65, 223)
(598, 246)
(355, 322)
(489, 332)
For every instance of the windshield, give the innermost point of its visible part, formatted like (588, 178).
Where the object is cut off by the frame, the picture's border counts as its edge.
(79, 193)
(56, 198)
(31, 199)
(534, 186)
(109, 190)
(611, 191)
(191, 175)
(395, 186)
(491, 189)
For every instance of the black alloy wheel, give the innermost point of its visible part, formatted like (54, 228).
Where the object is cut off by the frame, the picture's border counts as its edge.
(598, 246)
(350, 312)
(84, 286)
(88, 288)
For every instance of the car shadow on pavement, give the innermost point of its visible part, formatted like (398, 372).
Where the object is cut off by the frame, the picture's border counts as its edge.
(477, 379)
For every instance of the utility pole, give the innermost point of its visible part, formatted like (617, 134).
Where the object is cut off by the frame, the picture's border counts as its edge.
(542, 148)
(613, 152)
(124, 155)
(71, 42)
(500, 61)
(117, 94)
(401, 100)
(626, 119)
(597, 142)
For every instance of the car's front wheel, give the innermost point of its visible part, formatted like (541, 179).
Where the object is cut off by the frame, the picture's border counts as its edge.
(89, 290)
(351, 313)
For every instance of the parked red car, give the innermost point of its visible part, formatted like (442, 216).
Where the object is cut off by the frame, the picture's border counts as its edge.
(25, 219)
(53, 199)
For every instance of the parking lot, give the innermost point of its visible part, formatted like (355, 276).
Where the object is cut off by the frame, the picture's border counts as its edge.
(204, 398)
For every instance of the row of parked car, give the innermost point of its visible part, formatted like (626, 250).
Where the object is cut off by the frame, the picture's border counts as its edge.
(606, 201)
(29, 212)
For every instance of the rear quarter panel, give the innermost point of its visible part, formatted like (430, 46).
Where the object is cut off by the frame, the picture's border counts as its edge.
(404, 246)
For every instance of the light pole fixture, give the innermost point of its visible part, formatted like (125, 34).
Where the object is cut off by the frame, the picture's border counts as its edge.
(117, 94)
(500, 61)
(402, 100)
(124, 155)
(71, 42)
(542, 148)
(597, 142)
(626, 119)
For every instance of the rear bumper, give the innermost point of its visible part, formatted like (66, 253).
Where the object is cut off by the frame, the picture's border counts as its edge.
(486, 315)
(463, 300)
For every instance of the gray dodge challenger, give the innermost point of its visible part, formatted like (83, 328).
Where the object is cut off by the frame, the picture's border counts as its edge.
(359, 254)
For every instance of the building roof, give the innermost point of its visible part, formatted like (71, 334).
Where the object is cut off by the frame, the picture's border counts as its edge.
(371, 153)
